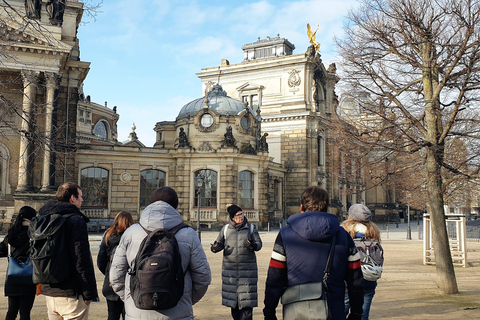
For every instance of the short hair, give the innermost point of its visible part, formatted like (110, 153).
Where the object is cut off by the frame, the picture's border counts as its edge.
(67, 190)
(165, 194)
(314, 199)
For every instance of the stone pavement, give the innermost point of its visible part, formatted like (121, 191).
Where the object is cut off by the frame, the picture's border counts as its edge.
(407, 289)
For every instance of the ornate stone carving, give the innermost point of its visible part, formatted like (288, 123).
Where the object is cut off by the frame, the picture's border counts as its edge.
(262, 143)
(294, 79)
(206, 147)
(33, 8)
(55, 10)
(125, 177)
(228, 140)
(247, 148)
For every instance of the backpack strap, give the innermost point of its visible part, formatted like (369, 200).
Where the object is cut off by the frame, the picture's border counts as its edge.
(329, 260)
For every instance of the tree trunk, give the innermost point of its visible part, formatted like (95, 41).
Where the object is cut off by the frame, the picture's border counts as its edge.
(446, 280)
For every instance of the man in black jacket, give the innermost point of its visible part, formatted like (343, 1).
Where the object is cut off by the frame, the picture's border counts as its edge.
(71, 298)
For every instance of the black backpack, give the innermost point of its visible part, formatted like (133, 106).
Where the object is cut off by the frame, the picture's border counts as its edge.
(156, 276)
(48, 248)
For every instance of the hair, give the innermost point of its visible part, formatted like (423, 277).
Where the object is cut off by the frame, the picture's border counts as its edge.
(67, 190)
(314, 199)
(165, 194)
(372, 233)
(25, 212)
(122, 221)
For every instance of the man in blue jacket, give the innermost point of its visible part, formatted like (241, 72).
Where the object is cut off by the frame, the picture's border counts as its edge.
(300, 256)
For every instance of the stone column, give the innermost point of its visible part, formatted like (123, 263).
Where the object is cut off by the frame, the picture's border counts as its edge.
(30, 80)
(52, 84)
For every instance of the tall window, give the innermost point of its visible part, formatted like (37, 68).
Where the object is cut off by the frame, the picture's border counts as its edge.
(94, 183)
(150, 180)
(245, 189)
(208, 190)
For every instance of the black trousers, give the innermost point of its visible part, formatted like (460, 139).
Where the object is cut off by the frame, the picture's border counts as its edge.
(242, 314)
(22, 304)
(116, 308)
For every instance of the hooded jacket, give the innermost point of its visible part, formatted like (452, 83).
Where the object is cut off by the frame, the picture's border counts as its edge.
(82, 273)
(239, 271)
(194, 262)
(300, 254)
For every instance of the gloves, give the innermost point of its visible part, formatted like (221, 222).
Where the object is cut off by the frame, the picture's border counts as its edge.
(250, 245)
(216, 247)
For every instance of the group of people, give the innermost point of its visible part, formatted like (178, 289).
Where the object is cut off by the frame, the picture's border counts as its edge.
(300, 254)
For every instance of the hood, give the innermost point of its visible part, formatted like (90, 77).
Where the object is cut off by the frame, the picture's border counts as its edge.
(160, 215)
(61, 208)
(314, 226)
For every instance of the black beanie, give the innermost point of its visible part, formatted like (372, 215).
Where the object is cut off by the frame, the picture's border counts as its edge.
(232, 210)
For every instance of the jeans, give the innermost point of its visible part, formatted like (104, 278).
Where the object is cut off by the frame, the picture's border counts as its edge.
(367, 303)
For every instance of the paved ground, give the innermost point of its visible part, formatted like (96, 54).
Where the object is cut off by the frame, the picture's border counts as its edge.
(407, 289)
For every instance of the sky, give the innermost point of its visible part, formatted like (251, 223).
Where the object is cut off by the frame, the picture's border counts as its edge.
(145, 54)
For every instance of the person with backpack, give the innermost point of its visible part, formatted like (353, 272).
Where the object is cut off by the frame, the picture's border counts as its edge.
(300, 261)
(366, 236)
(160, 239)
(70, 295)
(109, 243)
(239, 240)
(20, 296)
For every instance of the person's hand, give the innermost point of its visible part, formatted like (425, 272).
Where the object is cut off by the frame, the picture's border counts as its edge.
(216, 247)
(249, 245)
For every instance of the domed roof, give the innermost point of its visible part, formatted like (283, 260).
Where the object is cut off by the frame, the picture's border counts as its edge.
(218, 101)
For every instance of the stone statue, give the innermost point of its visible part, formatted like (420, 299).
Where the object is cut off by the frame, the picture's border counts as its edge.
(262, 143)
(182, 139)
(55, 9)
(33, 8)
(228, 140)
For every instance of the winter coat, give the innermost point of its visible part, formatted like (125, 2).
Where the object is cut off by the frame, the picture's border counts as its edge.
(81, 279)
(300, 254)
(194, 262)
(104, 258)
(19, 246)
(239, 270)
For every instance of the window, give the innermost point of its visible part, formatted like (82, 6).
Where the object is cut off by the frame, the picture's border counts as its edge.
(252, 100)
(206, 120)
(150, 180)
(245, 189)
(101, 130)
(320, 150)
(94, 183)
(208, 189)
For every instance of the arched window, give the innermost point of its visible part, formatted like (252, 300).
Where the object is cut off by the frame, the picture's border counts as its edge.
(94, 183)
(246, 189)
(150, 180)
(208, 188)
(101, 130)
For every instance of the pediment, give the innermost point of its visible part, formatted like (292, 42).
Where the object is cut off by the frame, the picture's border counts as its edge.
(247, 86)
(31, 38)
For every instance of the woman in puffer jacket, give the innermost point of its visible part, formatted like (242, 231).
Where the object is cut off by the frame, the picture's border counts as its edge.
(239, 240)
(109, 243)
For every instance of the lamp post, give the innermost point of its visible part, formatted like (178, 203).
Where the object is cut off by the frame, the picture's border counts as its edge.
(199, 182)
(396, 217)
(409, 231)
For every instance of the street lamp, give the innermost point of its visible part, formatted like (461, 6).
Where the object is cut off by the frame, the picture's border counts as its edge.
(409, 231)
(198, 183)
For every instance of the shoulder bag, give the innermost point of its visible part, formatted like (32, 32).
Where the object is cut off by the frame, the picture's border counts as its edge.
(19, 272)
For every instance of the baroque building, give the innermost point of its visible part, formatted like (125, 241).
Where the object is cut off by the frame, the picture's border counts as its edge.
(258, 136)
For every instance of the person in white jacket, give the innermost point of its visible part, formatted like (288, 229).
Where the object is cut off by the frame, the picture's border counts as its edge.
(161, 213)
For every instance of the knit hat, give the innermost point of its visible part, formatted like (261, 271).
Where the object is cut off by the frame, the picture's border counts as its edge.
(360, 212)
(232, 210)
(27, 212)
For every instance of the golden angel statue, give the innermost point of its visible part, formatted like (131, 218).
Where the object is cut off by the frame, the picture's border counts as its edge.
(311, 37)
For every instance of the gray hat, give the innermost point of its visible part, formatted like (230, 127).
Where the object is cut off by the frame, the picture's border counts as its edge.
(360, 212)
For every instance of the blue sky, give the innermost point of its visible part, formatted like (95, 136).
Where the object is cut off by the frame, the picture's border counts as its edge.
(145, 54)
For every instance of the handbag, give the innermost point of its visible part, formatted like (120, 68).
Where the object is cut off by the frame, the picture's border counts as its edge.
(19, 272)
(308, 301)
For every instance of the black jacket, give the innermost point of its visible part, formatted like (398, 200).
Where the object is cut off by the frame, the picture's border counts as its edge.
(82, 280)
(104, 259)
(19, 243)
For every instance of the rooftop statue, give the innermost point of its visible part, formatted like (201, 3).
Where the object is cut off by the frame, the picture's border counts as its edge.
(311, 37)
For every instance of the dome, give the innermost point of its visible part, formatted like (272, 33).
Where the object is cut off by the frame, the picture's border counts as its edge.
(218, 101)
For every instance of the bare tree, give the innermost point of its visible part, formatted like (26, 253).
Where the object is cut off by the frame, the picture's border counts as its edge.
(420, 59)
